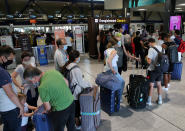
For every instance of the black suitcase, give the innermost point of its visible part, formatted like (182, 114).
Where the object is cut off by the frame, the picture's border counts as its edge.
(137, 91)
(110, 100)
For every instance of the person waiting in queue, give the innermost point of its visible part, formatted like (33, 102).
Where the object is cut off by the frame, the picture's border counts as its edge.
(77, 81)
(60, 57)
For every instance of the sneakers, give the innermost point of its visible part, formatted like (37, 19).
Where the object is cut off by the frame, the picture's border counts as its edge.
(165, 89)
(78, 127)
(159, 102)
(149, 103)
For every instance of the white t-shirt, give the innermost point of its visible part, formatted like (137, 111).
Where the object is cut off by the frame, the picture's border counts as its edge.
(160, 42)
(60, 59)
(24, 118)
(114, 60)
(20, 70)
(152, 54)
(172, 37)
(68, 41)
(5, 103)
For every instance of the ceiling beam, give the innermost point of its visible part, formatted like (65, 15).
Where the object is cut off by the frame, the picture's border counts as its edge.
(76, 1)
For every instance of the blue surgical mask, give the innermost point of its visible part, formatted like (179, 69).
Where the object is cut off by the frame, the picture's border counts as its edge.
(78, 60)
(36, 84)
(65, 47)
(119, 43)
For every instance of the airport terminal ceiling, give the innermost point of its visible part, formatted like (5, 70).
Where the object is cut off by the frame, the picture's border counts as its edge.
(71, 7)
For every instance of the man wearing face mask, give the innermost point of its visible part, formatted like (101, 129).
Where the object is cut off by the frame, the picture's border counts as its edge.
(60, 57)
(30, 90)
(56, 97)
(11, 109)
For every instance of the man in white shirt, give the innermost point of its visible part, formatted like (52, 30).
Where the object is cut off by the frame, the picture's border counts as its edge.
(154, 76)
(60, 57)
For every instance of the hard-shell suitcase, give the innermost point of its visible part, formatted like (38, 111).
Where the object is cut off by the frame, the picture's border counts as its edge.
(177, 71)
(110, 100)
(41, 120)
(90, 109)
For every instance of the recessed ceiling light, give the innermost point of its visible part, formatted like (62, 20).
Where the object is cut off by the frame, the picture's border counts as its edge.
(178, 8)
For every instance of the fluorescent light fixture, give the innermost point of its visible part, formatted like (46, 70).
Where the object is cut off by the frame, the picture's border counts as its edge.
(70, 16)
(178, 8)
(33, 16)
(141, 9)
(9, 16)
(50, 16)
(181, 4)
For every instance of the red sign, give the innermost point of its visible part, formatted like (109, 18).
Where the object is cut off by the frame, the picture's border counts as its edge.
(33, 21)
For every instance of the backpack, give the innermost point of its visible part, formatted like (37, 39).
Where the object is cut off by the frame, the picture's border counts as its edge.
(162, 63)
(66, 74)
(137, 91)
(173, 54)
(181, 47)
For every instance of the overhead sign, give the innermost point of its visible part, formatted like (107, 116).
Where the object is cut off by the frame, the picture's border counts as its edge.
(106, 21)
(138, 3)
(113, 4)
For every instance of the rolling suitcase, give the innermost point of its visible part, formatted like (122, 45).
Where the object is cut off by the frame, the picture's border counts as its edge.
(90, 109)
(41, 120)
(110, 100)
(177, 71)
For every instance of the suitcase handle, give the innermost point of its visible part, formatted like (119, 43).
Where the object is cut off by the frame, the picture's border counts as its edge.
(127, 95)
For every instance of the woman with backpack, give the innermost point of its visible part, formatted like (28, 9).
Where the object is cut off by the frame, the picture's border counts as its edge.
(76, 81)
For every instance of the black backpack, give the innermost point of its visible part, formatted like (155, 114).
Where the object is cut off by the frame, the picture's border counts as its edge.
(66, 74)
(137, 91)
(162, 62)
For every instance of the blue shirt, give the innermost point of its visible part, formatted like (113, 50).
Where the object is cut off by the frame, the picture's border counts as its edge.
(5, 103)
(5, 77)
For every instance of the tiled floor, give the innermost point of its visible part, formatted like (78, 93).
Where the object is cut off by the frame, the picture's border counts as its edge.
(168, 117)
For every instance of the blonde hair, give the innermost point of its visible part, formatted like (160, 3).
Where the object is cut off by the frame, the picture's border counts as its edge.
(111, 43)
(21, 96)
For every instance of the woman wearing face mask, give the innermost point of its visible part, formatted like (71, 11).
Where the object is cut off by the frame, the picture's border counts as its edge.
(76, 78)
(111, 59)
(28, 88)
(60, 57)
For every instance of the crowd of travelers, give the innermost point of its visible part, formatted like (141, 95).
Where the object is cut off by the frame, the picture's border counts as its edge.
(61, 104)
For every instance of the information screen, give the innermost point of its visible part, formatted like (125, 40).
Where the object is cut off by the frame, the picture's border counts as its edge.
(175, 22)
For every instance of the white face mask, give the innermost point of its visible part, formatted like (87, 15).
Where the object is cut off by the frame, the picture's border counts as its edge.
(78, 61)
(119, 43)
(27, 62)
